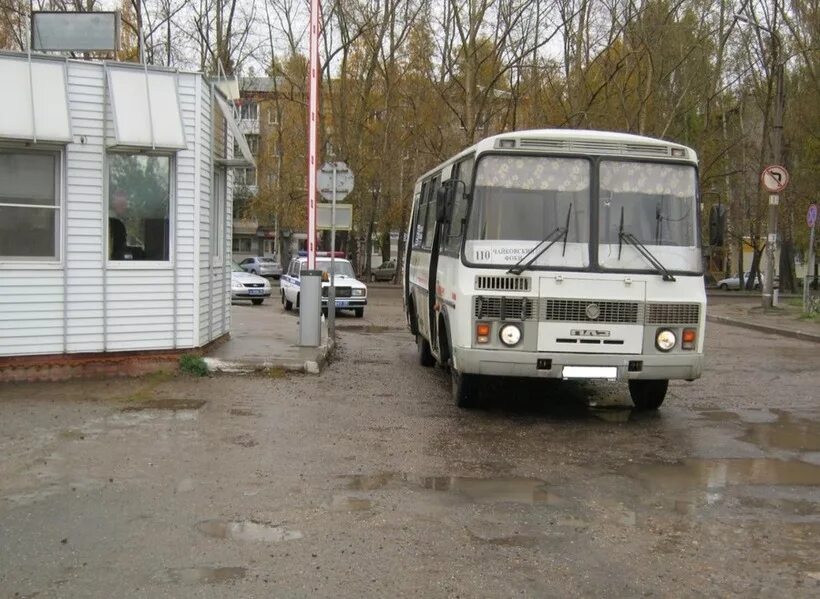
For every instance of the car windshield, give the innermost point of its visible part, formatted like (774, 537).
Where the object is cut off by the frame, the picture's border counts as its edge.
(341, 267)
(655, 203)
(520, 200)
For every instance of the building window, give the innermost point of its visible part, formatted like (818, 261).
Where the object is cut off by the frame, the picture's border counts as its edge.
(139, 207)
(245, 176)
(242, 244)
(253, 145)
(272, 116)
(29, 204)
(249, 111)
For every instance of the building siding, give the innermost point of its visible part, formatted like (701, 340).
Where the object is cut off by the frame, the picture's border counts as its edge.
(82, 304)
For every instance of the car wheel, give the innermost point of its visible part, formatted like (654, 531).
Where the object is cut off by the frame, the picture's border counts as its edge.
(646, 394)
(465, 389)
(359, 312)
(426, 358)
(257, 301)
(724, 286)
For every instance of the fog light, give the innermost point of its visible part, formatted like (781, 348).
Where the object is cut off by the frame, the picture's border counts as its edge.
(510, 335)
(688, 338)
(665, 340)
(482, 332)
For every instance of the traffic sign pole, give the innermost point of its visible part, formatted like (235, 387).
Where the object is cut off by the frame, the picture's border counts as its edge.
(774, 178)
(331, 296)
(811, 220)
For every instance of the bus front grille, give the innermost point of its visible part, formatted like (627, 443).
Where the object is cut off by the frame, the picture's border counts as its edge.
(505, 308)
(501, 283)
(670, 313)
(576, 310)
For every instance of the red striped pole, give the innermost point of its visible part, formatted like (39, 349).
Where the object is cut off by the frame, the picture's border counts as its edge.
(313, 124)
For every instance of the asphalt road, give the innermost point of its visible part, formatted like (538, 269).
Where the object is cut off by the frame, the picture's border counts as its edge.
(368, 481)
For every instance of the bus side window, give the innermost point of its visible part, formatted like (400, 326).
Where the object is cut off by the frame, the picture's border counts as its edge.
(421, 215)
(463, 171)
(430, 220)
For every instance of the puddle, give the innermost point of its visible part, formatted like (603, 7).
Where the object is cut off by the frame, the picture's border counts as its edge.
(242, 412)
(370, 482)
(716, 474)
(202, 575)
(493, 490)
(794, 434)
(474, 489)
(344, 503)
(165, 404)
(248, 530)
(243, 441)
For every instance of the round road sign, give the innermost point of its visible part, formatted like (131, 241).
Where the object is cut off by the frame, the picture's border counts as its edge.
(811, 216)
(344, 180)
(775, 178)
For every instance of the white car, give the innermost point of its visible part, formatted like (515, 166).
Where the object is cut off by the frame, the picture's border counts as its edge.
(734, 282)
(351, 294)
(245, 285)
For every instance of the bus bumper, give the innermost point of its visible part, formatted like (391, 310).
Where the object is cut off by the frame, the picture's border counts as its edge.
(686, 366)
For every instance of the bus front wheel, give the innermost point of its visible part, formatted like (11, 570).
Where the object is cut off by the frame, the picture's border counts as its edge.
(647, 395)
(465, 388)
(425, 355)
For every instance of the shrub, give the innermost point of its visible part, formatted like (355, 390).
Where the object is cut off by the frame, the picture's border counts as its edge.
(193, 365)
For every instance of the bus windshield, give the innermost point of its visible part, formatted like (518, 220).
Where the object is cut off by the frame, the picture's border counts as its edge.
(519, 201)
(655, 203)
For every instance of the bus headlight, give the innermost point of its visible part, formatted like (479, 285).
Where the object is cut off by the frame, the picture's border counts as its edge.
(665, 340)
(510, 335)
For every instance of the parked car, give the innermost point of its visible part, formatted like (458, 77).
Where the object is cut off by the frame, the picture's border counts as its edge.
(350, 293)
(733, 282)
(245, 285)
(384, 272)
(264, 267)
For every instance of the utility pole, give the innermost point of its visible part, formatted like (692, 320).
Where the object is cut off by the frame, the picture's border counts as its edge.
(768, 299)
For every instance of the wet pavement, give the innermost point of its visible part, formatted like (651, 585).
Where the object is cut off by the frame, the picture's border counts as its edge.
(368, 481)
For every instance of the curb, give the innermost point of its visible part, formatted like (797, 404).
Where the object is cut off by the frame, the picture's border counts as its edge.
(801, 335)
(324, 355)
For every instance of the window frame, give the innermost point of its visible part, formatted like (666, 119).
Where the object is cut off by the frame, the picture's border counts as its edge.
(57, 259)
(172, 214)
(453, 243)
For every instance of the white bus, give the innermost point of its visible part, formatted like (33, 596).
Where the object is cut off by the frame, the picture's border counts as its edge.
(559, 254)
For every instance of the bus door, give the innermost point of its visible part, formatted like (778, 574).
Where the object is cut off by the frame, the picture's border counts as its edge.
(435, 243)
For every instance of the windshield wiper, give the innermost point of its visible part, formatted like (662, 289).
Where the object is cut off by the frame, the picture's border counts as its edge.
(642, 250)
(554, 235)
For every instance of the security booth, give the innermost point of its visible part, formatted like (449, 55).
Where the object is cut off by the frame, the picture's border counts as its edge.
(115, 207)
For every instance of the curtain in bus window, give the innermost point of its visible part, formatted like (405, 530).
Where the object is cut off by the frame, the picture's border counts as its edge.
(430, 222)
(657, 200)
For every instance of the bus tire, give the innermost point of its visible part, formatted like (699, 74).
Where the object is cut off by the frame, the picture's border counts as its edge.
(426, 358)
(465, 389)
(288, 304)
(646, 394)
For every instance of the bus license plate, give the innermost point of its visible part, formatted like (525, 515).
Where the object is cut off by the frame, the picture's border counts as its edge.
(590, 372)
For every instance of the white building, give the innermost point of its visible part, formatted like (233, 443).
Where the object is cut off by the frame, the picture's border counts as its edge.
(115, 207)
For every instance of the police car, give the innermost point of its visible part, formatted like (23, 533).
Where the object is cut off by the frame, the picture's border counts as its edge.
(350, 293)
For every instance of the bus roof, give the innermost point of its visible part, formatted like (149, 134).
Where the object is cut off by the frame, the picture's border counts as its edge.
(579, 141)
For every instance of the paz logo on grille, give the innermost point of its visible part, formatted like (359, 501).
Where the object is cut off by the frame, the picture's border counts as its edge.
(593, 311)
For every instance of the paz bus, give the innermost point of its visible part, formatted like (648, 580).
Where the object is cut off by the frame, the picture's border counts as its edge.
(560, 254)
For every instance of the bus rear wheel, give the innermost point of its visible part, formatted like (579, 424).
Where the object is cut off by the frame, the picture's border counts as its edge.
(647, 395)
(425, 355)
(465, 389)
